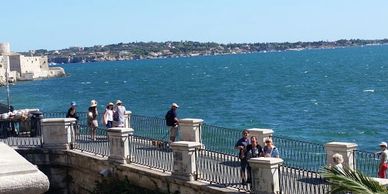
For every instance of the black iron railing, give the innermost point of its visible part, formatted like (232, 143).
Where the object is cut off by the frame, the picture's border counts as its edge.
(220, 139)
(294, 180)
(301, 154)
(366, 162)
(149, 152)
(84, 141)
(219, 168)
(150, 127)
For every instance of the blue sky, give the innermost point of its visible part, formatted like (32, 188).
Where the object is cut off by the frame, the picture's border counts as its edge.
(56, 24)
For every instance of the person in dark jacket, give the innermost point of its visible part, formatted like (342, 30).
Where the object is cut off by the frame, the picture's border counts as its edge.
(172, 121)
(72, 112)
(254, 150)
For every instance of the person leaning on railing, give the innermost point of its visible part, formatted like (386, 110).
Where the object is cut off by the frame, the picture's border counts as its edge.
(241, 145)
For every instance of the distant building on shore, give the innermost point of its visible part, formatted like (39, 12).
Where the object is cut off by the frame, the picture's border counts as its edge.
(20, 67)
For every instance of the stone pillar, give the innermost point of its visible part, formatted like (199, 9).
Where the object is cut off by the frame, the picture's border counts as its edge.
(119, 144)
(345, 149)
(127, 120)
(190, 130)
(265, 175)
(58, 133)
(184, 159)
(260, 134)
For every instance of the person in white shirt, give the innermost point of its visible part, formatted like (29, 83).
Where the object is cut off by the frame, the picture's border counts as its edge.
(108, 116)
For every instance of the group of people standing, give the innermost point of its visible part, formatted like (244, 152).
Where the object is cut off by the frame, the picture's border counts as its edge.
(113, 116)
(249, 148)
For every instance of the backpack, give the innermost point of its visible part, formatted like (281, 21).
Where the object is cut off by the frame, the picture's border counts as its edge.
(116, 116)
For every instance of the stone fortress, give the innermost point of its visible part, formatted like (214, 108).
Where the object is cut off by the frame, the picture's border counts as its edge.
(23, 68)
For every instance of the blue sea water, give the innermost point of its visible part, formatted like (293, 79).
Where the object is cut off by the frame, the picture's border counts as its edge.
(315, 95)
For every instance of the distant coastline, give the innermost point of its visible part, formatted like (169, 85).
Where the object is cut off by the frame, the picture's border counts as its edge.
(173, 49)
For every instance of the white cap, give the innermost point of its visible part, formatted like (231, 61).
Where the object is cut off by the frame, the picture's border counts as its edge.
(93, 103)
(383, 144)
(118, 102)
(175, 105)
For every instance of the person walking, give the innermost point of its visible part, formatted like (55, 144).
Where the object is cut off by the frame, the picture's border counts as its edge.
(241, 145)
(270, 150)
(172, 122)
(92, 119)
(253, 150)
(383, 166)
(107, 119)
(119, 114)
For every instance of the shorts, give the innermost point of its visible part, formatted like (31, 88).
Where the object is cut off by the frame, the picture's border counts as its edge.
(382, 171)
(173, 131)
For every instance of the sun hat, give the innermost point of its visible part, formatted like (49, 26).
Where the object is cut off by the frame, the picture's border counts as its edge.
(175, 105)
(118, 102)
(93, 103)
(73, 103)
(383, 144)
(110, 104)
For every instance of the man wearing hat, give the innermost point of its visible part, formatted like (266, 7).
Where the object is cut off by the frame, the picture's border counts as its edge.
(383, 166)
(119, 114)
(172, 121)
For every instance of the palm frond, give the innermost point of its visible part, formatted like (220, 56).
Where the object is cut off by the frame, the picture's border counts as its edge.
(348, 180)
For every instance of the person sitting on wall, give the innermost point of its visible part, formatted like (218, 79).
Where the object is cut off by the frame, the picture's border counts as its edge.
(241, 145)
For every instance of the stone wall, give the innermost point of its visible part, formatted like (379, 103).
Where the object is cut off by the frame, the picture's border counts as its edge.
(77, 172)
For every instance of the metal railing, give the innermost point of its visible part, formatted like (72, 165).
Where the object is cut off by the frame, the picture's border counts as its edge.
(82, 116)
(149, 152)
(84, 142)
(22, 141)
(294, 180)
(301, 154)
(150, 127)
(219, 168)
(366, 162)
(220, 139)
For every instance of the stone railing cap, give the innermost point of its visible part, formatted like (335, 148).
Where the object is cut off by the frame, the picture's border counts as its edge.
(190, 121)
(120, 130)
(17, 175)
(266, 160)
(59, 120)
(265, 131)
(341, 145)
(188, 144)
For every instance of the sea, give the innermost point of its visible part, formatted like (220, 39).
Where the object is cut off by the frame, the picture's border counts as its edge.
(317, 95)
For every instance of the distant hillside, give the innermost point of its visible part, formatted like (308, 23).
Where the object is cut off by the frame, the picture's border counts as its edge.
(149, 50)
